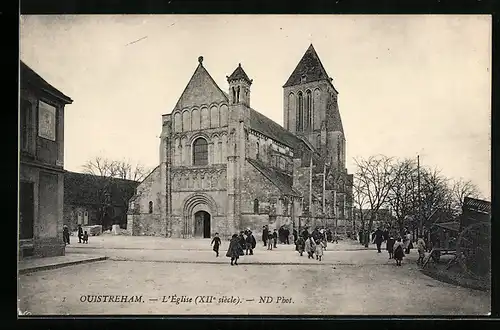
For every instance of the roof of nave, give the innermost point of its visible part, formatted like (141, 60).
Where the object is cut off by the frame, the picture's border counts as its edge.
(239, 73)
(82, 188)
(311, 66)
(271, 129)
(282, 181)
(29, 76)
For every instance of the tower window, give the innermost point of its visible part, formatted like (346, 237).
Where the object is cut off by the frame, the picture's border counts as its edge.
(256, 206)
(200, 152)
(308, 112)
(150, 207)
(238, 95)
(300, 112)
(234, 95)
(258, 150)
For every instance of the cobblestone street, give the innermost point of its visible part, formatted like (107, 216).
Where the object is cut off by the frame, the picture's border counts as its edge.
(350, 280)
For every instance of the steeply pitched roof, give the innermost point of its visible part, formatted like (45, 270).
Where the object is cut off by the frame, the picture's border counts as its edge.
(275, 131)
(311, 66)
(29, 77)
(282, 181)
(201, 79)
(239, 73)
(478, 205)
(83, 189)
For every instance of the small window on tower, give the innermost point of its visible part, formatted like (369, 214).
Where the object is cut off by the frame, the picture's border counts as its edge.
(256, 206)
(150, 207)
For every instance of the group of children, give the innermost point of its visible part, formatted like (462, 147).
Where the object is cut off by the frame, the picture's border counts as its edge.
(397, 248)
(83, 236)
(311, 246)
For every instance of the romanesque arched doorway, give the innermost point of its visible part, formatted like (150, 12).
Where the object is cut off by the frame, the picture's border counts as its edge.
(202, 224)
(198, 212)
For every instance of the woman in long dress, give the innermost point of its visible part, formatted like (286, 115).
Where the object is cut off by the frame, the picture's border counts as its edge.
(398, 251)
(235, 250)
(310, 247)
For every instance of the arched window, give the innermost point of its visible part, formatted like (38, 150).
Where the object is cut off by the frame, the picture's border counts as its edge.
(338, 152)
(238, 95)
(150, 207)
(257, 149)
(234, 95)
(200, 152)
(308, 112)
(256, 206)
(300, 112)
(318, 142)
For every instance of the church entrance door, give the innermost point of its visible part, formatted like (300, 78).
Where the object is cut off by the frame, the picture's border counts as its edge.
(202, 224)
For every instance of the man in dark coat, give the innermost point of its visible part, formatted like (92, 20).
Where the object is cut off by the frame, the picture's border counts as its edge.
(243, 241)
(378, 237)
(66, 234)
(281, 235)
(250, 243)
(275, 238)
(265, 235)
(305, 234)
(295, 235)
(234, 251)
(286, 233)
(80, 233)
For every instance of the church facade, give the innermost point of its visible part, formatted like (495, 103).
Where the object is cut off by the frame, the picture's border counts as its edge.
(225, 167)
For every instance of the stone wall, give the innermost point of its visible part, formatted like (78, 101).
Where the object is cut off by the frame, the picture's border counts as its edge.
(147, 225)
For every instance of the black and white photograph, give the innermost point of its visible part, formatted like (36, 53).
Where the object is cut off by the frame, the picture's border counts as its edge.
(332, 165)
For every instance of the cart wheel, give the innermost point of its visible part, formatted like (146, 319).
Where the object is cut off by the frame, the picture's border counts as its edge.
(473, 250)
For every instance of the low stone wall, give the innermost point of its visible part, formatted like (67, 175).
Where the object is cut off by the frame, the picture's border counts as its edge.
(147, 225)
(49, 247)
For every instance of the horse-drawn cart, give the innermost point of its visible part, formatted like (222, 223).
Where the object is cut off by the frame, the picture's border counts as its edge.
(472, 248)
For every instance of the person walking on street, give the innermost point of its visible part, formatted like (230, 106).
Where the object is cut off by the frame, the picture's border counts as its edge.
(234, 251)
(80, 233)
(295, 236)
(250, 243)
(66, 234)
(300, 245)
(286, 233)
(319, 249)
(390, 246)
(216, 243)
(421, 250)
(275, 239)
(398, 251)
(378, 236)
(310, 247)
(265, 235)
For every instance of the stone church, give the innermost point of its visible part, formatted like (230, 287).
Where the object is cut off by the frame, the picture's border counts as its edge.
(225, 166)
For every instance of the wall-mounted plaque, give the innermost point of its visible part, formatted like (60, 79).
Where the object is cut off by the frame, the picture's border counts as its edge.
(46, 121)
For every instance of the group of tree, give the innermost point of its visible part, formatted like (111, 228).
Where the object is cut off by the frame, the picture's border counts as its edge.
(417, 196)
(108, 183)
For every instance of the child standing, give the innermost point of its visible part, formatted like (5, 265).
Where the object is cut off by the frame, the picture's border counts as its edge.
(85, 237)
(398, 251)
(216, 243)
(390, 245)
(421, 250)
(310, 247)
(319, 249)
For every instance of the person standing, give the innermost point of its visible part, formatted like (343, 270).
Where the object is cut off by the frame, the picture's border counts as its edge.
(300, 245)
(250, 243)
(243, 241)
(421, 250)
(265, 235)
(286, 232)
(310, 247)
(295, 236)
(378, 237)
(275, 238)
(80, 233)
(407, 242)
(216, 243)
(66, 234)
(305, 233)
(390, 245)
(398, 251)
(234, 251)
(319, 249)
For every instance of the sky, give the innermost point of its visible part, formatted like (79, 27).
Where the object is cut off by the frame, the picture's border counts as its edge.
(408, 85)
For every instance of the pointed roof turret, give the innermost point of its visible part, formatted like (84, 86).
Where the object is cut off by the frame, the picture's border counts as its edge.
(310, 67)
(239, 73)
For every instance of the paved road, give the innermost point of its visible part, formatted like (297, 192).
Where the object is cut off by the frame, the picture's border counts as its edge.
(349, 281)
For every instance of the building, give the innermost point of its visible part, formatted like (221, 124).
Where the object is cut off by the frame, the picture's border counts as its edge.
(41, 173)
(96, 200)
(224, 166)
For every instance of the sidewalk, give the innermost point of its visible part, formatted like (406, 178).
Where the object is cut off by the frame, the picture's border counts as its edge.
(30, 265)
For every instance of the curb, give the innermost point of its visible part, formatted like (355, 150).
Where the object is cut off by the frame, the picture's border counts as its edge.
(259, 263)
(447, 279)
(60, 265)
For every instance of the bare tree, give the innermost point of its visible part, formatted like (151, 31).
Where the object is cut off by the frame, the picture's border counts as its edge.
(459, 190)
(376, 177)
(359, 200)
(103, 173)
(403, 195)
(125, 170)
(435, 195)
